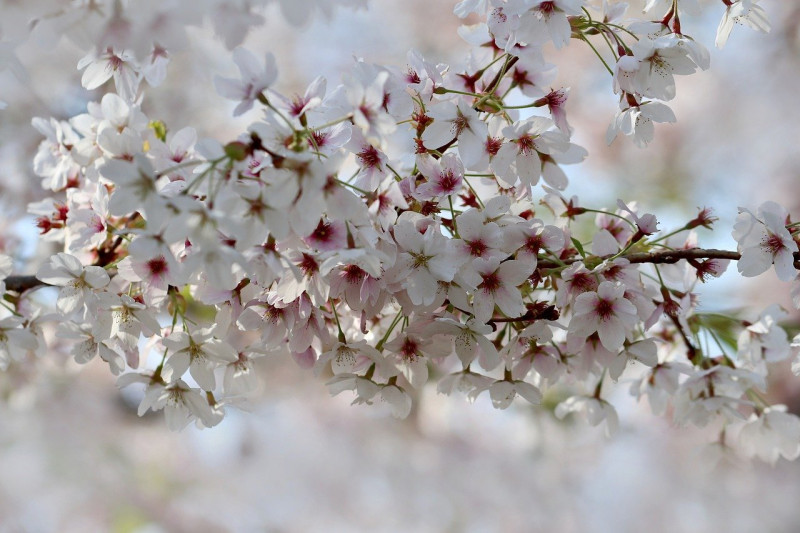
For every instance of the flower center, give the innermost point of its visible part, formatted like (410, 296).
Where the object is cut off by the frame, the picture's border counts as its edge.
(772, 244)
(604, 309)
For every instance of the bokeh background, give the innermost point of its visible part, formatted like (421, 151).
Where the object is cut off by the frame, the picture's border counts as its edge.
(75, 457)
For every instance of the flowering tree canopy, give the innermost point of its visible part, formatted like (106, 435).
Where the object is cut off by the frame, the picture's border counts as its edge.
(408, 225)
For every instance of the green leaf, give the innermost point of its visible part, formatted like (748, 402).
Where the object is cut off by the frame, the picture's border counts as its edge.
(578, 246)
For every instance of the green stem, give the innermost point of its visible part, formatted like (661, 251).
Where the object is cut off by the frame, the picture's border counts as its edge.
(584, 39)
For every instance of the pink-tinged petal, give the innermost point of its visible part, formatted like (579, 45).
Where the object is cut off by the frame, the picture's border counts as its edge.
(126, 81)
(96, 277)
(509, 300)
(177, 365)
(645, 352)
(243, 107)
(305, 359)
(502, 394)
(753, 262)
(96, 74)
(528, 391)
(83, 352)
(444, 267)
(221, 352)
(421, 288)
(248, 63)
(609, 290)
(483, 306)
(70, 298)
(439, 133)
(67, 263)
(115, 361)
(784, 265)
(470, 147)
(203, 374)
(115, 109)
(428, 166)
(604, 244)
(612, 334)
(659, 112)
(229, 88)
(489, 358)
(177, 341)
(466, 347)
(407, 236)
(554, 176)
(504, 157)
(417, 372)
(399, 401)
(176, 416)
(585, 303)
(529, 167)
(514, 272)
(183, 140)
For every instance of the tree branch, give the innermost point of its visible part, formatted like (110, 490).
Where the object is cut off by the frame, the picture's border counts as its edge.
(660, 257)
(22, 283)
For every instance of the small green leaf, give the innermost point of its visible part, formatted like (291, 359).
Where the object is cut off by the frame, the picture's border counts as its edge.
(578, 246)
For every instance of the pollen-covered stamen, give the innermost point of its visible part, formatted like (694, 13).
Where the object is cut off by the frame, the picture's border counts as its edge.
(519, 78)
(114, 61)
(583, 282)
(604, 309)
(369, 157)
(309, 265)
(419, 260)
(460, 123)
(409, 350)
(547, 7)
(273, 314)
(477, 248)
(526, 144)
(353, 274)
(157, 266)
(772, 244)
(318, 139)
(491, 283)
(449, 182)
(614, 272)
(323, 232)
(297, 105)
(533, 243)
(493, 145)
(412, 76)
(708, 268)
(556, 98)
(257, 207)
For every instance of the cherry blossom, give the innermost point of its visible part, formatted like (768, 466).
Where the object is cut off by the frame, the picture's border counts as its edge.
(763, 241)
(745, 12)
(255, 79)
(772, 434)
(78, 283)
(606, 312)
(388, 232)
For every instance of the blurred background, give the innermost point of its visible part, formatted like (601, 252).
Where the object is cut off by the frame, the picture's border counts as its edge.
(75, 457)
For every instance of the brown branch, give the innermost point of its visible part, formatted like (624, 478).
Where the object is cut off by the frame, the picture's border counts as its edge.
(22, 283)
(660, 257)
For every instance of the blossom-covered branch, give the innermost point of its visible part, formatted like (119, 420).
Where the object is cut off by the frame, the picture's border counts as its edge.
(403, 227)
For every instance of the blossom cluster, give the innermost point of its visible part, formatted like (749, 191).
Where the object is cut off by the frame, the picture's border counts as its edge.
(407, 226)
